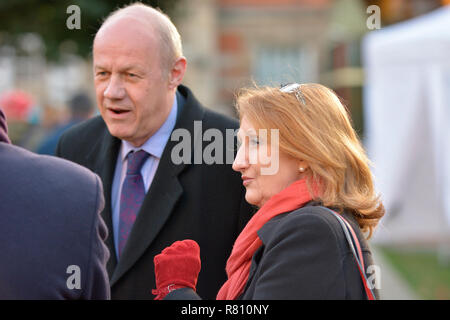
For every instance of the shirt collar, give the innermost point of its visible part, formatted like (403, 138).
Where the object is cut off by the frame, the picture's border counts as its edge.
(157, 142)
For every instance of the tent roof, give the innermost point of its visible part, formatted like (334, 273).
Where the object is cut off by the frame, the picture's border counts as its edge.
(425, 38)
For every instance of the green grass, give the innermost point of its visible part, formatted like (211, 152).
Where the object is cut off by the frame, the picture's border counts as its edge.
(421, 269)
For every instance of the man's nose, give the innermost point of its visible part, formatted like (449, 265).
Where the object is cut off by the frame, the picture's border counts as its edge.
(115, 89)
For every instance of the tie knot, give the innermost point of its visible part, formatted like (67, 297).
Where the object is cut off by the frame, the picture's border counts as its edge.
(135, 161)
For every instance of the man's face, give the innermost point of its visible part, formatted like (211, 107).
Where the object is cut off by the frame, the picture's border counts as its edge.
(131, 88)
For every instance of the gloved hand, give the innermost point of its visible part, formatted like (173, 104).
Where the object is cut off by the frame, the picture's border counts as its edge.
(176, 267)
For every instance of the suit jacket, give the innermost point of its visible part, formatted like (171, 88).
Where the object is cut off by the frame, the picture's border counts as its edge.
(185, 201)
(304, 255)
(51, 233)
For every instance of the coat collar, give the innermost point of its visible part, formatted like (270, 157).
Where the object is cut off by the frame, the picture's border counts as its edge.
(103, 158)
(267, 232)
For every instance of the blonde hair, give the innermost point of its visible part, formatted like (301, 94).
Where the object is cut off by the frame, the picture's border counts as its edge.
(319, 132)
(169, 39)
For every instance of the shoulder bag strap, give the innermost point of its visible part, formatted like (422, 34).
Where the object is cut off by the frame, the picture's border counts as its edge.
(357, 253)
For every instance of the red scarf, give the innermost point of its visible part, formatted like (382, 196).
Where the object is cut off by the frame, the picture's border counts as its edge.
(238, 265)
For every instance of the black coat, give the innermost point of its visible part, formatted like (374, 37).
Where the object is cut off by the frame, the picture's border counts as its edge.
(304, 256)
(51, 232)
(187, 201)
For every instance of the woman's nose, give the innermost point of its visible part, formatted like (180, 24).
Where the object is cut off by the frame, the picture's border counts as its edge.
(241, 161)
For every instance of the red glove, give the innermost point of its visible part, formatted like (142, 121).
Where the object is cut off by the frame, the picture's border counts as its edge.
(176, 267)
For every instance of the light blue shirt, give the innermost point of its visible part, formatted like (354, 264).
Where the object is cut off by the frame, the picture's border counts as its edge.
(154, 146)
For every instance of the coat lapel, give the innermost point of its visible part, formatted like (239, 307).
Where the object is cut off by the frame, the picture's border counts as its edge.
(163, 194)
(103, 158)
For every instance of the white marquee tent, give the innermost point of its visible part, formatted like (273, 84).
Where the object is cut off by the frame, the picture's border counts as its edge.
(407, 120)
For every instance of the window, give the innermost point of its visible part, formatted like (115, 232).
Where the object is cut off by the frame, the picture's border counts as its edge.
(276, 65)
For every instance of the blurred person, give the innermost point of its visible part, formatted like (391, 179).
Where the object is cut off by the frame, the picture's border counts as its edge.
(17, 106)
(295, 246)
(150, 200)
(51, 231)
(81, 108)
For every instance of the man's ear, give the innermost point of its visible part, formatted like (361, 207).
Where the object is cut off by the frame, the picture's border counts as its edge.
(176, 74)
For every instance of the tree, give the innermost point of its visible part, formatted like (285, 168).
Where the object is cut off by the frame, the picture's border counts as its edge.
(48, 19)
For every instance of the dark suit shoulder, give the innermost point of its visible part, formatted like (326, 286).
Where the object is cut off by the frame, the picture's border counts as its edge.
(297, 224)
(316, 217)
(79, 139)
(196, 111)
(87, 127)
(62, 183)
(42, 166)
(220, 121)
(51, 210)
(47, 181)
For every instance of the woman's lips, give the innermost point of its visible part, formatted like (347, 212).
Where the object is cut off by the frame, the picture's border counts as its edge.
(246, 180)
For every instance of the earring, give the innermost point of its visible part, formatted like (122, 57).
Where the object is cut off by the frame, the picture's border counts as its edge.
(301, 169)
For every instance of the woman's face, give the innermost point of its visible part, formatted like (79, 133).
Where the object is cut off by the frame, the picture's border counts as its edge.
(255, 156)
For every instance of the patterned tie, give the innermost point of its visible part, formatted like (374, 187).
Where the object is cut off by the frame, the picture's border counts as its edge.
(133, 193)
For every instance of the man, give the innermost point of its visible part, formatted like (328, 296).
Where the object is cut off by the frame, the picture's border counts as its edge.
(152, 200)
(51, 232)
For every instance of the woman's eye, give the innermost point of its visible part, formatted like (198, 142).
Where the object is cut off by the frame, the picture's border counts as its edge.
(238, 144)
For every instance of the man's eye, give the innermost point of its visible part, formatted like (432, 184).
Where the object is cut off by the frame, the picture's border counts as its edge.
(132, 75)
(101, 73)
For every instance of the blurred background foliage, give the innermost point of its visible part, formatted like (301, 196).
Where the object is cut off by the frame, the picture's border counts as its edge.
(48, 19)
(422, 269)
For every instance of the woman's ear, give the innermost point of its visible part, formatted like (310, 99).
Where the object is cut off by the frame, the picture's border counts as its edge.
(302, 166)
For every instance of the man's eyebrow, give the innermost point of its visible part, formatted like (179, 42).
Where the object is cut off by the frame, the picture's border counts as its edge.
(131, 67)
(99, 67)
(123, 69)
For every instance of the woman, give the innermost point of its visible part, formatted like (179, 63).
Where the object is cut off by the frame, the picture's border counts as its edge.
(293, 247)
